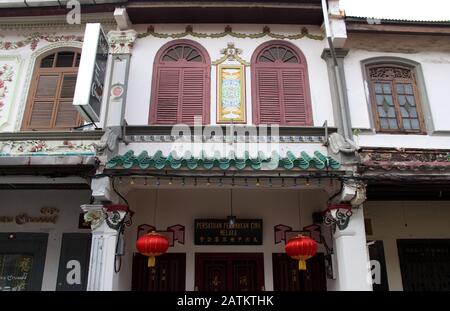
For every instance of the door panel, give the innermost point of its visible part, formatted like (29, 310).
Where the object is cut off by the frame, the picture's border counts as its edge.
(169, 273)
(74, 262)
(229, 271)
(287, 277)
(22, 261)
(425, 264)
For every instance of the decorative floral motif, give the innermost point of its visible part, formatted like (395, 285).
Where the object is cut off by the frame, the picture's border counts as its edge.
(189, 31)
(231, 53)
(34, 38)
(121, 42)
(337, 214)
(95, 218)
(389, 73)
(22, 148)
(6, 75)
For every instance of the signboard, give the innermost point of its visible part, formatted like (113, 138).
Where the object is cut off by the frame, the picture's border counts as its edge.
(15, 272)
(220, 232)
(91, 73)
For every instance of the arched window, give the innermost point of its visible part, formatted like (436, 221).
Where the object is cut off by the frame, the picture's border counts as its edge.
(181, 84)
(395, 98)
(49, 105)
(280, 85)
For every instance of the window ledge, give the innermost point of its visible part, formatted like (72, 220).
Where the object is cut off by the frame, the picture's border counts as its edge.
(283, 130)
(53, 135)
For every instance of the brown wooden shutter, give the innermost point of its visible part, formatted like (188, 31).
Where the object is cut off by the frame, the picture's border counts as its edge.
(44, 101)
(167, 95)
(268, 93)
(51, 94)
(66, 115)
(293, 96)
(193, 96)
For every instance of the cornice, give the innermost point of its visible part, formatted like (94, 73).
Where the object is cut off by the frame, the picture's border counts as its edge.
(49, 22)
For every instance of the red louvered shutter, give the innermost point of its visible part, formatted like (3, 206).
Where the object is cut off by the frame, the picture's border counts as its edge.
(280, 85)
(167, 95)
(268, 96)
(293, 96)
(180, 90)
(193, 96)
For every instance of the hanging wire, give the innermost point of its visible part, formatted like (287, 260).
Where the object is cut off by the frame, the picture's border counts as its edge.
(154, 209)
(231, 202)
(299, 212)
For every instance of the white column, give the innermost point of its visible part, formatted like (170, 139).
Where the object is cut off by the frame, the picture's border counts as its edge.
(104, 225)
(352, 261)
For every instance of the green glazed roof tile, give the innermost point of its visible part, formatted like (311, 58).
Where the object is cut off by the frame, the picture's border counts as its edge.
(188, 160)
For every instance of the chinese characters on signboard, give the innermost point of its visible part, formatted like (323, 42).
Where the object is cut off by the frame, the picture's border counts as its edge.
(220, 232)
(15, 272)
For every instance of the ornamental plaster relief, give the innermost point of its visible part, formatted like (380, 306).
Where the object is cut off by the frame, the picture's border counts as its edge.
(41, 147)
(10, 70)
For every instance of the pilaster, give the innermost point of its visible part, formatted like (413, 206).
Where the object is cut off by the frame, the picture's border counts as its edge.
(120, 46)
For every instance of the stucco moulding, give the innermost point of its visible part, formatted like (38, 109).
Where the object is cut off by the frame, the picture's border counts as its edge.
(34, 39)
(47, 148)
(405, 160)
(228, 31)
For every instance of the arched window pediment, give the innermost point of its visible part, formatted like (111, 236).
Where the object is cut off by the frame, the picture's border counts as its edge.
(184, 53)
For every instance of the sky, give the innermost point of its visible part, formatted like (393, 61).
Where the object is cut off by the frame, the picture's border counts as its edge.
(398, 9)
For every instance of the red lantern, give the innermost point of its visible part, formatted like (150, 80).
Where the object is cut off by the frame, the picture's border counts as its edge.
(301, 248)
(152, 244)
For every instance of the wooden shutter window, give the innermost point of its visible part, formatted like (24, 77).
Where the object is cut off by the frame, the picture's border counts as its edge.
(49, 106)
(395, 99)
(280, 85)
(180, 87)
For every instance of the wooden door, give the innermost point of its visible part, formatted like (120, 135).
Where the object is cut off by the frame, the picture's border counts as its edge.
(425, 264)
(169, 274)
(287, 277)
(229, 271)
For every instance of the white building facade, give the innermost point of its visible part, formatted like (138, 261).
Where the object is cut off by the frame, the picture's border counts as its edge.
(219, 112)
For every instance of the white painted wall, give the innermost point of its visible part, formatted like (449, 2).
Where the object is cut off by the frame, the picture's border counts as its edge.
(31, 201)
(183, 206)
(145, 49)
(24, 61)
(392, 220)
(433, 55)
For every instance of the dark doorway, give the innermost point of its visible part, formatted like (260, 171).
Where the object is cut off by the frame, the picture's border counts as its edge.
(22, 261)
(425, 264)
(287, 276)
(74, 262)
(229, 271)
(169, 273)
(379, 278)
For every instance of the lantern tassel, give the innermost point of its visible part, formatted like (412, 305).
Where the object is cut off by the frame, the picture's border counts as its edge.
(151, 261)
(301, 265)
